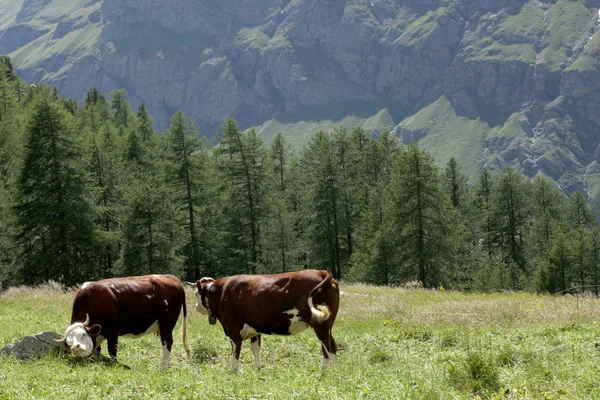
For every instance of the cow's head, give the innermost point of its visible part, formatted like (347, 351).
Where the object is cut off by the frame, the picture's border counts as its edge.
(81, 338)
(201, 292)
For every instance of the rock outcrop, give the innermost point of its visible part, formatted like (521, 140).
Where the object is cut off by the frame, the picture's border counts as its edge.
(36, 346)
(524, 75)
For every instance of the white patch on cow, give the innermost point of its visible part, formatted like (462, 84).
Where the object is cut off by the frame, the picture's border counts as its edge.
(151, 329)
(156, 276)
(166, 357)
(166, 302)
(99, 340)
(248, 332)
(332, 358)
(296, 324)
(286, 291)
(256, 353)
(293, 313)
(149, 296)
(86, 284)
(78, 340)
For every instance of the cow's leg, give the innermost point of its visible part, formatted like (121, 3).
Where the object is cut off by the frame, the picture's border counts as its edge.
(328, 345)
(98, 349)
(255, 346)
(112, 339)
(236, 347)
(166, 339)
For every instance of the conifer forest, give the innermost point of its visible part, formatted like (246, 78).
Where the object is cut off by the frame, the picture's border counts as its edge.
(91, 190)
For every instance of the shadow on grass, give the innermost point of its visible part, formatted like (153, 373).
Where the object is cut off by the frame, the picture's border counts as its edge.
(95, 359)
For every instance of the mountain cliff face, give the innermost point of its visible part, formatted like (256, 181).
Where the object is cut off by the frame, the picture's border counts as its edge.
(490, 82)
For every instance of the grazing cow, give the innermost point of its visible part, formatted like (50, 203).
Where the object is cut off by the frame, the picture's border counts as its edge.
(283, 304)
(128, 307)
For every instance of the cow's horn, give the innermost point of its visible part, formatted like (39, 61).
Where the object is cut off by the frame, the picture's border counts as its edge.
(190, 284)
(61, 340)
(87, 320)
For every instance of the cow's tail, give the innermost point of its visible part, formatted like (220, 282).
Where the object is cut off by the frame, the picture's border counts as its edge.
(184, 328)
(321, 312)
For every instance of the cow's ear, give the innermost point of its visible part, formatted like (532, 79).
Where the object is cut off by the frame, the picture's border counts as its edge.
(94, 330)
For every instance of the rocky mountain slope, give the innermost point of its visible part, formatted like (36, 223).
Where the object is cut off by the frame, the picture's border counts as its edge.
(491, 82)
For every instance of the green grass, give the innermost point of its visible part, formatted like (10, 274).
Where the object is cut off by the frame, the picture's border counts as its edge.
(251, 38)
(449, 135)
(542, 33)
(299, 134)
(395, 343)
(380, 122)
(569, 23)
(421, 28)
(587, 61)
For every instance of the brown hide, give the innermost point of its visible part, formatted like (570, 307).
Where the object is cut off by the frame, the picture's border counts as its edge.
(267, 304)
(130, 306)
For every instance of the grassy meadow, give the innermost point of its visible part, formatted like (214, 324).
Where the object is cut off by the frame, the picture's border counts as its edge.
(394, 344)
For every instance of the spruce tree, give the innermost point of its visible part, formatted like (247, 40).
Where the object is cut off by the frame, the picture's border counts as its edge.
(123, 116)
(186, 150)
(422, 218)
(546, 206)
(144, 123)
(106, 177)
(54, 214)
(324, 204)
(242, 160)
(374, 259)
(510, 223)
(455, 183)
(580, 217)
(278, 230)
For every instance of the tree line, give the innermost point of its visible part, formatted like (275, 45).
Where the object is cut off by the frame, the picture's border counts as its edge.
(91, 191)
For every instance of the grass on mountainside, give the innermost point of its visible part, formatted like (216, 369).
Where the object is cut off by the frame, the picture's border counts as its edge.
(541, 33)
(252, 38)
(299, 134)
(449, 135)
(587, 60)
(421, 28)
(71, 47)
(394, 343)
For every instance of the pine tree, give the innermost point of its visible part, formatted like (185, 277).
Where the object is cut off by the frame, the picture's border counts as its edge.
(106, 176)
(95, 110)
(580, 216)
(54, 211)
(278, 227)
(455, 183)
(374, 259)
(185, 149)
(123, 116)
(242, 158)
(546, 200)
(144, 123)
(510, 222)
(594, 259)
(422, 218)
(8, 99)
(151, 238)
(324, 203)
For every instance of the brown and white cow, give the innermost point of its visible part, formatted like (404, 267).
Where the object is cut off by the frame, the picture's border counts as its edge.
(127, 307)
(248, 306)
